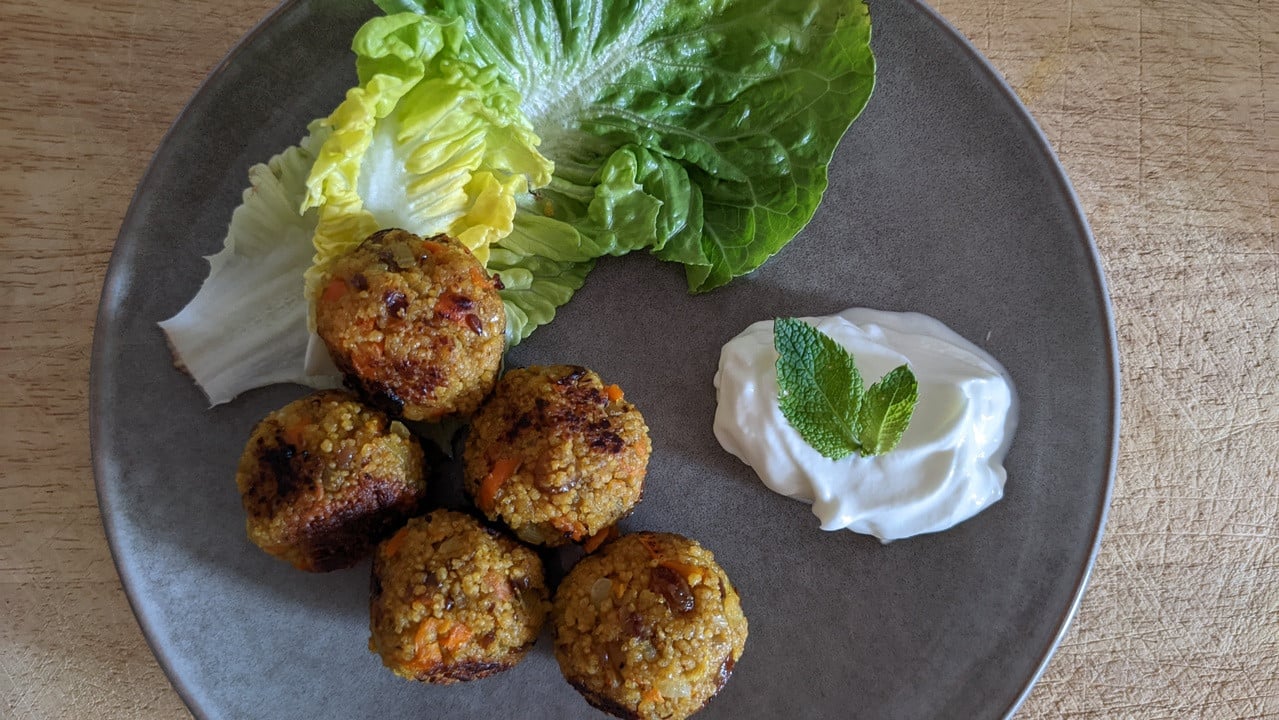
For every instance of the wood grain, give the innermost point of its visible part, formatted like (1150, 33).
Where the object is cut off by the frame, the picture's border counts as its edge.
(1164, 114)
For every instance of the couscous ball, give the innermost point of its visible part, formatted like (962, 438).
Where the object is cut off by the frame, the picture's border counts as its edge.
(556, 454)
(325, 478)
(649, 627)
(416, 325)
(453, 600)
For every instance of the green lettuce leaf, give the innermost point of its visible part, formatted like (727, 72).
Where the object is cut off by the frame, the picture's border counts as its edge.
(747, 99)
(534, 287)
(543, 134)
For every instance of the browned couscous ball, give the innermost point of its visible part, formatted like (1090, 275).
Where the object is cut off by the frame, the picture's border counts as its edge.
(325, 478)
(416, 325)
(650, 627)
(454, 600)
(556, 454)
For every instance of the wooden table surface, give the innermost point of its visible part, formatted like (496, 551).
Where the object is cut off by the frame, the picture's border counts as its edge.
(1165, 114)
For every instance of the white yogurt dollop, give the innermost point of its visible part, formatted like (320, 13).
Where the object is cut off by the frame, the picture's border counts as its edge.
(949, 464)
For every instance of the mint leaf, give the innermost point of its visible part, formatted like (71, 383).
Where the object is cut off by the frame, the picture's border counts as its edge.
(886, 411)
(821, 395)
(819, 388)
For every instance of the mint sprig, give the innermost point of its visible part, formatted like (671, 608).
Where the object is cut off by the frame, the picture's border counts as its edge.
(823, 398)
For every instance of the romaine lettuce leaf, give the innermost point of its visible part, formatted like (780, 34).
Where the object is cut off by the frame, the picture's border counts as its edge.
(749, 99)
(534, 287)
(426, 143)
(544, 134)
(247, 325)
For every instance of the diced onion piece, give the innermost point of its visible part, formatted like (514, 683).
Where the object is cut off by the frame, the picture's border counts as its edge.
(674, 688)
(600, 590)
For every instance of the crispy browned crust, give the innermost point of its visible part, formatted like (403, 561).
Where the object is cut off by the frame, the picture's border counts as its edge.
(725, 672)
(339, 537)
(466, 671)
(318, 509)
(604, 703)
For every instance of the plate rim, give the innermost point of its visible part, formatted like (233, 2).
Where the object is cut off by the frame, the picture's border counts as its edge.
(1111, 345)
(1040, 145)
(111, 279)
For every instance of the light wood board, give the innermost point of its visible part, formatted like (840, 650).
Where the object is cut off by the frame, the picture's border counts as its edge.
(1164, 114)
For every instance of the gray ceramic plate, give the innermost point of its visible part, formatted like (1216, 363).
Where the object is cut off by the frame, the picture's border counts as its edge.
(944, 199)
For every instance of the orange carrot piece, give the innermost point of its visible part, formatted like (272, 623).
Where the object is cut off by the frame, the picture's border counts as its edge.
(478, 277)
(452, 306)
(427, 651)
(498, 585)
(455, 638)
(572, 528)
(502, 471)
(427, 657)
(614, 393)
(651, 695)
(593, 542)
(334, 290)
(396, 541)
(684, 569)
